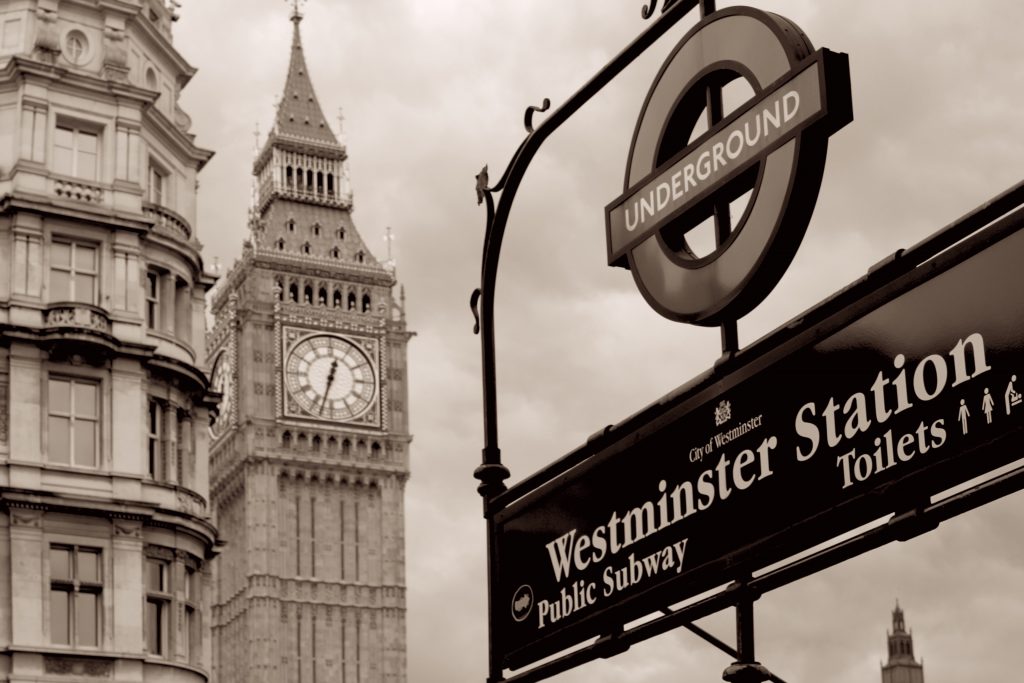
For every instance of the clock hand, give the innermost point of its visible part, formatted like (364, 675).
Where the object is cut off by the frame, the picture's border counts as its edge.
(330, 381)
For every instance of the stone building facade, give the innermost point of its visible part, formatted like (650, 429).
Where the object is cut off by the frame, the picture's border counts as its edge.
(311, 448)
(105, 531)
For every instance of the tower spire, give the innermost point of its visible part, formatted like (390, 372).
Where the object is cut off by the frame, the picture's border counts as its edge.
(299, 115)
(901, 667)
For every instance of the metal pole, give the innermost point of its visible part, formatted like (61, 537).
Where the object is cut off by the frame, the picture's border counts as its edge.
(723, 222)
(746, 668)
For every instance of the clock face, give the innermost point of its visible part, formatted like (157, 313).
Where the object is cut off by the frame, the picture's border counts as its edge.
(220, 381)
(330, 377)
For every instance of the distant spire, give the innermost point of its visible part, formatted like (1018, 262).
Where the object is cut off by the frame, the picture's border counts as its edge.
(296, 14)
(898, 624)
(389, 237)
(901, 667)
(253, 185)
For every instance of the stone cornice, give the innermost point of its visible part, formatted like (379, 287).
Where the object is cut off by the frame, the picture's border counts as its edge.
(142, 24)
(176, 139)
(72, 80)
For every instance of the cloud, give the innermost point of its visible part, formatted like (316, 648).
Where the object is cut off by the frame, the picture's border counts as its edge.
(432, 91)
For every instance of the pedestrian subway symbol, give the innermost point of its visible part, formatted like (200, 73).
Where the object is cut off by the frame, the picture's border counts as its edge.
(522, 603)
(772, 147)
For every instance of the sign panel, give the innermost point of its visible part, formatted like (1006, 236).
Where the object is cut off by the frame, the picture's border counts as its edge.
(704, 167)
(866, 414)
(774, 146)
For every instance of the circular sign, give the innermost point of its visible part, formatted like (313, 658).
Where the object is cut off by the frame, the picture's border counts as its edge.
(522, 602)
(772, 147)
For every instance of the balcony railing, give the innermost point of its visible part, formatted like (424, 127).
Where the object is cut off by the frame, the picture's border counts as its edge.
(78, 315)
(167, 222)
(78, 190)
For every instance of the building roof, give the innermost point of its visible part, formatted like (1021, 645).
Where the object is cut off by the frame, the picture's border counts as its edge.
(299, 115)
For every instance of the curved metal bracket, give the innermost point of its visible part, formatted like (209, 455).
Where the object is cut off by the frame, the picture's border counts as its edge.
(528, 117)
(492, 473)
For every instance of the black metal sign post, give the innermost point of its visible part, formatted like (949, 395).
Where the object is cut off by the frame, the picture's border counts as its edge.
(492, 473)
(773, 147)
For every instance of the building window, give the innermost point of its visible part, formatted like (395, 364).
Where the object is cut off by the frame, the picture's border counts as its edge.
(193, 634)
(73, 272)
(155, 437)
(152, 300)
(76, 152)
(157, 185)
(76, 585)
(73, 428)
(158, 605)
(76, 48)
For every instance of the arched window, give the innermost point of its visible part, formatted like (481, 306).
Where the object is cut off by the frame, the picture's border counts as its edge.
(366, 303)
(360, 257)
(346, 447)
(279, 288)
(316, 444)
(305, 248)
(375, 450)
(330, 184)
(299, 185)
(290, 225)
(319, 182)
(309, 180)
(280, 244)
(321, 299)
(332, 445)
(351, 301)
(293, 292)
(302, 442)
(341, 233)
(361, 447)
(307, 295)
(289, 177)
(335, 253)
(316, 229)
(286, 439)
(337, 299)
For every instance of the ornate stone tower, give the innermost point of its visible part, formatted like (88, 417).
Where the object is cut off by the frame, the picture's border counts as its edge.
(105, 535)
(901, 668)
(311, 447)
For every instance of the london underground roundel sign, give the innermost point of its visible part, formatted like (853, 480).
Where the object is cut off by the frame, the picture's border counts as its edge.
(773, 147)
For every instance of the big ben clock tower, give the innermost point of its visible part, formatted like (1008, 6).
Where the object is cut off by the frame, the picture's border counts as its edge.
(309, 452)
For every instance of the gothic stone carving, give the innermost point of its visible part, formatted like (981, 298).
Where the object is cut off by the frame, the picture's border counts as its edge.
(127, 528)
(78, 666)
(47, 35)
(27, 517)
(115, 55)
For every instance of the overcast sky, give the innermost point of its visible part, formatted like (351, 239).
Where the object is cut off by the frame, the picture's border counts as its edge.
(434, 89)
